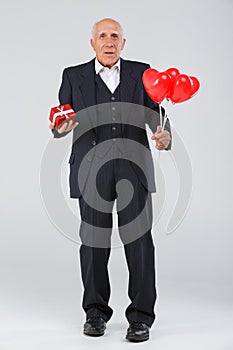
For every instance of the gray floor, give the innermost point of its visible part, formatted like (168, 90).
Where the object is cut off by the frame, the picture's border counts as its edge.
(187, 327)
(40, 317)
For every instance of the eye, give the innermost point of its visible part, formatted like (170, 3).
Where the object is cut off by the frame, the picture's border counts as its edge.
(102, 35)
(114, 36)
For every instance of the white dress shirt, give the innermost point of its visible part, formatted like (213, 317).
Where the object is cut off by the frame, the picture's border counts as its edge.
(110, 76)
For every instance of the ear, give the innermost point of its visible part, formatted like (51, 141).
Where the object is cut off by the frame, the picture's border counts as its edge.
(92, 43)
(123, 43)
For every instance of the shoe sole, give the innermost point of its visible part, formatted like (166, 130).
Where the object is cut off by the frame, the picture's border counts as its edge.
(136, 339)
(94, 334)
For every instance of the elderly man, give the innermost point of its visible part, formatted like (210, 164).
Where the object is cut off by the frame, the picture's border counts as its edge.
(109, 79)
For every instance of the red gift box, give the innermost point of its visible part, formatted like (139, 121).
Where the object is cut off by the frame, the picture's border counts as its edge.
(61, 113)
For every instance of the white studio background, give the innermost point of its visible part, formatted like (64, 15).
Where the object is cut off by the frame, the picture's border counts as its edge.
(41, 288)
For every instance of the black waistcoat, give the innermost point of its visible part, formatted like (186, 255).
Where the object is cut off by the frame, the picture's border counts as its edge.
(111, 129)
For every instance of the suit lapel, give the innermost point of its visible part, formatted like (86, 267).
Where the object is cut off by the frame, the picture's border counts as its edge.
(87, 88)
(128, 89)
(128, 83)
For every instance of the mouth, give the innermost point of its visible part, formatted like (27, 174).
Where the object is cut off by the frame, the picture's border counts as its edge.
(109, 53)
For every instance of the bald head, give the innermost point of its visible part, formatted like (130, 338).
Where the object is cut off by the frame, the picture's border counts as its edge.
(107, 41)
(106, 20)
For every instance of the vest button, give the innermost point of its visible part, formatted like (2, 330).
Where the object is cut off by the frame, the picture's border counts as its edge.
(113, 108)
(93, 143)
(114, 128)
(113, 98)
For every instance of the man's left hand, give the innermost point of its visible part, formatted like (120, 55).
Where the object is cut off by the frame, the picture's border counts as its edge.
(162, 138)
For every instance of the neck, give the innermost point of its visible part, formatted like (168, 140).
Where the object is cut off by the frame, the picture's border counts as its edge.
(107, 65)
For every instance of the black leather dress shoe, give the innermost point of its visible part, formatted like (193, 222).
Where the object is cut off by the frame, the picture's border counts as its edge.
(94, 326)
(137, 332)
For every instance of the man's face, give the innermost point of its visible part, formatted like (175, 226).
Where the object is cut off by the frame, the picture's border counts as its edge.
(107, 42)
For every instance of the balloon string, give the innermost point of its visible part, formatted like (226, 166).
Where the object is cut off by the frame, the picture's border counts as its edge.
(162, 126)
(164, 122)
(157, 158)
(167, 112)
(168, 106)
(160, 115)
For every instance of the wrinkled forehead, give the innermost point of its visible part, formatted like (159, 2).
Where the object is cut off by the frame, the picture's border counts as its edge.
(112, 32)
(108, 27)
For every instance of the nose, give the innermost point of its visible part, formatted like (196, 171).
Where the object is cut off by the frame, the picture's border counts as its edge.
(109, 43)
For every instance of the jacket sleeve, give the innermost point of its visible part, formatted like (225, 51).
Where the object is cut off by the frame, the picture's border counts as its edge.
(153, 119)
(65, 96)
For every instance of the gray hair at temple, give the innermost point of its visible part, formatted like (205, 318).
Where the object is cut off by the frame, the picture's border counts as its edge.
(105, 19)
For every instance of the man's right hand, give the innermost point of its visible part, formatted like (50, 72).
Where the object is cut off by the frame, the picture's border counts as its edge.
(65, 127)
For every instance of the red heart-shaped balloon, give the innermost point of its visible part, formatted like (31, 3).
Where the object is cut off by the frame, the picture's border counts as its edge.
(156, 84)
(181, 89)
(195, 85)
(173, 72)
(149, 77)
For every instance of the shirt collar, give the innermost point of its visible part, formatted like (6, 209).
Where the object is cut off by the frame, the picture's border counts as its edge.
(99, 66)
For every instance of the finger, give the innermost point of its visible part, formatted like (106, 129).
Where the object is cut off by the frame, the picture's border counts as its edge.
(159, 143)
(158, 133)
(165, 134)
(155, 136)
(164, 139)
(66, 125)
(160, 147)
(163, 143)
(159, 128)
(162, 132)
(74, 125)
(51, 125)
(69, 125)
(63, 127)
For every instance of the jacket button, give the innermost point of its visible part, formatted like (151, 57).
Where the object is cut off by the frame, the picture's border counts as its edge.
(93, 143)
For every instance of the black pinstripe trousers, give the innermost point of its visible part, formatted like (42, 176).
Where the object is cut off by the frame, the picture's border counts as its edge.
(133, 205)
